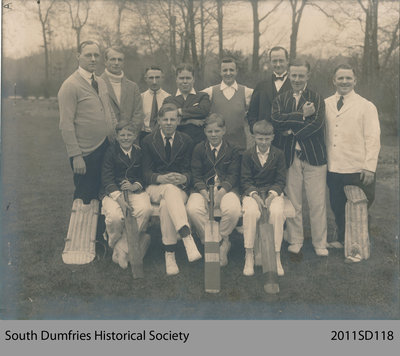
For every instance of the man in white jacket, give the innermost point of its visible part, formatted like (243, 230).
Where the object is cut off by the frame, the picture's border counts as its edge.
(352, 143)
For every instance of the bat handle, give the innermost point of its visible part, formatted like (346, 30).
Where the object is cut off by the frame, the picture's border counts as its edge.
(211, 204)
(126, 198)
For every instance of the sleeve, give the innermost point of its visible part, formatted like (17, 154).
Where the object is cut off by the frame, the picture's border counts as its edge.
(107, 173)
(313, 123)
(187, 160)
(254, 105)
(246, 176)
(281, 119)
(197, 168)
(209, 91)
(67, 102)
(138, 166)
(138, 114)
(149, 176)
(372, 137)
(199, 109)
(233, 171)
(280, 177)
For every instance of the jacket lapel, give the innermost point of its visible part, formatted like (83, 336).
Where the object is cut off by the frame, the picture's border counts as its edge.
(124, 89)
(270, 158)
(110, 89)
(158, 145)
(176, 146)
(221, 152)
(254, 157)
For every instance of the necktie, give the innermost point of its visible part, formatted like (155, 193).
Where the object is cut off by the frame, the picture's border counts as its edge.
(214, 152)
(154, 110)
(168, 148)
(340, 103)
(95, 85)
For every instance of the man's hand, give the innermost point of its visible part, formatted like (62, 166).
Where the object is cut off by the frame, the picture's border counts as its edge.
(308, 109)
(166, 178)
(126, 185)
(179, 179)
(123, 204)
(366, 177)
(218, 197)
(206, 197)
(269, 200)
(259, 201)
(79, 165)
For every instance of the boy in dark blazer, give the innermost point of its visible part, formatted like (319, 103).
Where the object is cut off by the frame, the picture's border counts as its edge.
(122, 171)
(166, 165)
(262, 179)
(215, 160)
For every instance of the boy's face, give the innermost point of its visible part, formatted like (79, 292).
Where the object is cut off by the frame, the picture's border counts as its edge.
(125, 138)
(263, 142)
(169, 122)
(214, 134)
(185, 81)
(228, 72)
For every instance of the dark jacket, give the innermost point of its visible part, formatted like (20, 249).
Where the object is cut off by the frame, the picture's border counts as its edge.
(309, 133)
(271, 176)
(117, 167)
(226, 166)
(196, 106)
(154, 159)
(261, 104)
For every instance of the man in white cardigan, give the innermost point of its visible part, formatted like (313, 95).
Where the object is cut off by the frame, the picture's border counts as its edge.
(352, 142)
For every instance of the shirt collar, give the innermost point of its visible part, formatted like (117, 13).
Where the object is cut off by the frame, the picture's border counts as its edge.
(156, 92)
(347, 96)
(178, 92)
(126, 152)
(281, 75)
(262, 154)
(85, 74)
(301, 91)
(163, 136)
(216, 148)
(223, 86)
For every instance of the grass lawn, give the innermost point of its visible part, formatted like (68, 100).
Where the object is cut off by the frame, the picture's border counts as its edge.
(36, 202)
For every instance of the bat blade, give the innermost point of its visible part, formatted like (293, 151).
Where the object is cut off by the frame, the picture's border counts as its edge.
(212, 269)
(132, 235)
(266, 235)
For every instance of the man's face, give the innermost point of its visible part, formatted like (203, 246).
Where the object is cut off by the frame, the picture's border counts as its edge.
(228, 73)
(154, 79)
(214, 134)
(185, 81)
(279, 61)
(89, 57)
(298, 76)
(125, 138)
(169, 122)
(344, 81)
(115, 62)
(263, 142)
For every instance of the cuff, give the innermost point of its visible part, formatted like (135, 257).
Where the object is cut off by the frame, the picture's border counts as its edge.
(115, 195)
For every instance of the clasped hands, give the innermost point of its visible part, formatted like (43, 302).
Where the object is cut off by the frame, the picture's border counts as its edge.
(172, 178)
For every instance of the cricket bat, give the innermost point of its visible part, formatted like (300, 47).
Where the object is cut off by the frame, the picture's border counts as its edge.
(212, 272)
(268, 256)
(132, 235)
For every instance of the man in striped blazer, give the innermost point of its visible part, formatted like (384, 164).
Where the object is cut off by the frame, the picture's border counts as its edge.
(298, 115)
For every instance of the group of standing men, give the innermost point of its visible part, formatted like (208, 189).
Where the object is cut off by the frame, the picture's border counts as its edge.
(334, 141)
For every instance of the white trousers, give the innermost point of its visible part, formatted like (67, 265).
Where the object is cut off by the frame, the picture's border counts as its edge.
(251, 215)
(314, 179)
(114, 217)
(172, 210)
(198, 214)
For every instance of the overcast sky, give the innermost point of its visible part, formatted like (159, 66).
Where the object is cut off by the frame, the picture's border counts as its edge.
(318, 34)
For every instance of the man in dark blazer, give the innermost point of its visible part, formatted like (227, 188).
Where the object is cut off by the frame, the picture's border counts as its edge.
(267, 90)
(299, 116)
(166, 166)
(125, 98)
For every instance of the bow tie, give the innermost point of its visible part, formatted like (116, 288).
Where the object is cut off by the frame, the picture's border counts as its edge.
(282, 78)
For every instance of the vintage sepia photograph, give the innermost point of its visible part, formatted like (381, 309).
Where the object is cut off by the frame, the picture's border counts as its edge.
(200, 160)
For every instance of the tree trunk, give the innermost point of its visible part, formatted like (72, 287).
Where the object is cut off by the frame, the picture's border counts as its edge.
(192, 35)
(256, 37)
(220, 19)
(46, 61)
(172, 33)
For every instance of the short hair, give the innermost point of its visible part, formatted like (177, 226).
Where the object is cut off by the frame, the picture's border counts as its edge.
(166, 108)
(83, 44)
(228, 60)
(127, 125)
(263, 127)
(300, 62)
(115, 49)
(214, 119)
(184, 66)
(279, 48)
(344, 66)
(153, 67)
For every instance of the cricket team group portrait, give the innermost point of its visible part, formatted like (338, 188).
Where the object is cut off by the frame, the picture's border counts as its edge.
(167, 177)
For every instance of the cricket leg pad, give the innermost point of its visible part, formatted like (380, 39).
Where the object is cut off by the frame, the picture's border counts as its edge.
(81, 237)
(356, 244)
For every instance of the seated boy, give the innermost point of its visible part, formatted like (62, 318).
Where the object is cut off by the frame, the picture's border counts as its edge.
(122, 171)
(215, 159)
(262, 179)
(166, 165)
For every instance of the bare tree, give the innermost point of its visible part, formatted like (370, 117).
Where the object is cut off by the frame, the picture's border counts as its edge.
(220, 21)
(76, 9)
(44, 16)
(256, 32)
(297, 11)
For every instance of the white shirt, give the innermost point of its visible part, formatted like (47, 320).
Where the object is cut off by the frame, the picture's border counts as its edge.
(262, 157)
(171, 141)
(147, 98)
(127, 152)
(279, 83)
(230, 90)
(86, 75)
(352, 134)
